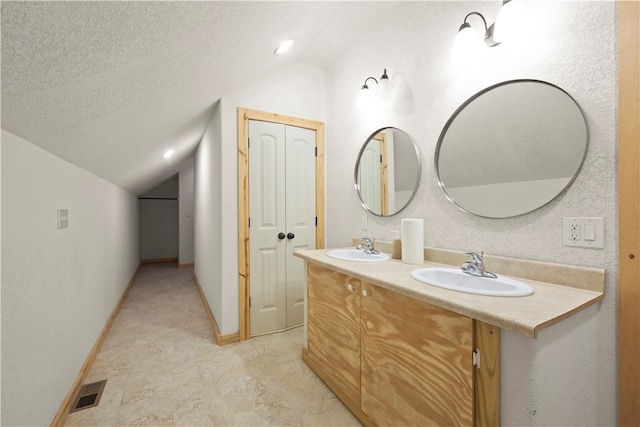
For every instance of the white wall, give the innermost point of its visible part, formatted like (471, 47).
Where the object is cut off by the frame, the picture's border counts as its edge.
(159, 221)
(568, 375)
(298, 91)
(167, 189)
(186, 205)
(207, 214)
(58, 286)
(158, 229)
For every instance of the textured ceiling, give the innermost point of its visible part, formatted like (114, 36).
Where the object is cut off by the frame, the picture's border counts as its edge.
(108, 85)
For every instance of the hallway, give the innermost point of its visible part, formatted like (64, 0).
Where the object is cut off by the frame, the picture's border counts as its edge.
(163, 367)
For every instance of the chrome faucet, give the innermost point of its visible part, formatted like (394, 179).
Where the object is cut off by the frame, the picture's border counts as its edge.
(475, 267)
(367, 246)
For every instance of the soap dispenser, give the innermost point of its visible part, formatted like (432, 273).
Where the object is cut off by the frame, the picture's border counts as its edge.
(396, 249)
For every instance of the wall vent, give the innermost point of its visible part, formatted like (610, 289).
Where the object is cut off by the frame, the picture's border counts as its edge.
(89, 396)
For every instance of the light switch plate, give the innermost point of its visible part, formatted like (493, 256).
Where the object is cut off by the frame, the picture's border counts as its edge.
(583, 232)
(63, 218)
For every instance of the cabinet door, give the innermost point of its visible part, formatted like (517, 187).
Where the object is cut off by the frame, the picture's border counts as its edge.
(333, 327)
(416, 361)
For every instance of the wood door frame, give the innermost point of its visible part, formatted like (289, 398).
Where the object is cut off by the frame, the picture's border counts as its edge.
(628, 213)
(244, 115)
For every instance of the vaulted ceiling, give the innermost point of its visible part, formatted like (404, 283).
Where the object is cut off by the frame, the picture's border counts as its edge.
(109, 85)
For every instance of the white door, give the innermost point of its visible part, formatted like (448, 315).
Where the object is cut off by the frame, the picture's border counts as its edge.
(282, 218)
(370, 178)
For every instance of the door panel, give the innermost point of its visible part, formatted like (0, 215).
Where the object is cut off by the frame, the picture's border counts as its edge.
(370, 176)
(301, 214)
(266, 211)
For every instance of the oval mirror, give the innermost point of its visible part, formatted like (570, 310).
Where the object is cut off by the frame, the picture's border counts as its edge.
(387, 171)
(511, 148)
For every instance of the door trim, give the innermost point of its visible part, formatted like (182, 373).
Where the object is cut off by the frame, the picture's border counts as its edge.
(244, 115)
(628, 213)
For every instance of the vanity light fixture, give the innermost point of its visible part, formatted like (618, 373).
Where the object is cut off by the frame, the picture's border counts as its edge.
(467, 43)
(283, 47)
(383, 92)
(168, 154)
(510, 18)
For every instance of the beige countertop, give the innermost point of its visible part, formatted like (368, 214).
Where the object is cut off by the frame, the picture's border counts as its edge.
(559, 290)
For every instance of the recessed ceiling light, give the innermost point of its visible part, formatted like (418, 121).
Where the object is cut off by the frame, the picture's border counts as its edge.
(284, 46)
(168, 154)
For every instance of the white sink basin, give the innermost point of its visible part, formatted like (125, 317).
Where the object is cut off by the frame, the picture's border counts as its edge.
(357, 255)
(455, 280)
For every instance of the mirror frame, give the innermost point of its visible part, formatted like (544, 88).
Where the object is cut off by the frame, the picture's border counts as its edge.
(476, 96)
(357, 168)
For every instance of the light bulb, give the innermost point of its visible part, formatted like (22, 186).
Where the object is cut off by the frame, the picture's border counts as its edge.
(467, 44)
(283, 47)
(511, 17)
(384, 86)
(365, 98)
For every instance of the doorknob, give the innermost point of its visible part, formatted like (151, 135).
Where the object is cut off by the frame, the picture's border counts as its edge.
(281, 236)
(290, 236)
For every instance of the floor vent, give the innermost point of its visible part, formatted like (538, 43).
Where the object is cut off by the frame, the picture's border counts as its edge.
(89, 396)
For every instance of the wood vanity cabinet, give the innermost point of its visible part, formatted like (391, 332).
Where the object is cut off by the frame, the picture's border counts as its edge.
(395, 360)
(333, 319)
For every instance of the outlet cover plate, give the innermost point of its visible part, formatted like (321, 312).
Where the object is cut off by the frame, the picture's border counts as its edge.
(63, 218)
(583, 232)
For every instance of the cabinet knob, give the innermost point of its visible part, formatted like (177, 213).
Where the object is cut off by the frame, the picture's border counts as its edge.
(350, 287)
(365, 293)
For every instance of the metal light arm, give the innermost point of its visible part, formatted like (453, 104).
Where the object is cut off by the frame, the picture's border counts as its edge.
(488, 30)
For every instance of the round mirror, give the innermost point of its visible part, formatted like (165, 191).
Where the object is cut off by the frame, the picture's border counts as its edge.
(387, 171)
(511, 148)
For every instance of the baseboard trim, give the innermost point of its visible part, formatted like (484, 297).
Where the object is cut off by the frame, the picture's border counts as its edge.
(220, 339)
(67, 403)
(159, 260)
(189, 265)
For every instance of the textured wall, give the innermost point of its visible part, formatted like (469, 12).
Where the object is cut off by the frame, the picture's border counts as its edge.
(58, 286)
(568, 375)
(207, 221)
(299, 91)
(186, 206)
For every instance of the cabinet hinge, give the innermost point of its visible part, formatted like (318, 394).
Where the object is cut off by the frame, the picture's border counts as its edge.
(316, 221)
(476, 358)
(249, 219)
(248, 142)
(249, 301)
(316, 151)
(380, 158)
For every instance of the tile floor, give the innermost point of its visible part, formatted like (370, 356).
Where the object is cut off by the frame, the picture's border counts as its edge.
(163, 367)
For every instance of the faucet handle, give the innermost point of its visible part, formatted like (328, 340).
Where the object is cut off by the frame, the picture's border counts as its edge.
(368, 241)
(477, 259)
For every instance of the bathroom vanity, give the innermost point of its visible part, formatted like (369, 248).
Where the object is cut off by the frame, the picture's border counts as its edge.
(400, 352)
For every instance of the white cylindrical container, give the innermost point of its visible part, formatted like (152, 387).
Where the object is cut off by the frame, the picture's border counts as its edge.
(412, 241)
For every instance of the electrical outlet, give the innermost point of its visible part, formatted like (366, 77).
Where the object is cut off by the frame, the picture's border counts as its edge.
(574, 231)
(584, 232)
